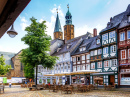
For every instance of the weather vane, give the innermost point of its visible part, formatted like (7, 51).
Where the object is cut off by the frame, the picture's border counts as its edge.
(57, 10)
(68, 6)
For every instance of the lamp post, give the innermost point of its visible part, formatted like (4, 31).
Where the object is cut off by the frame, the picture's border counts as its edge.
(12, 33)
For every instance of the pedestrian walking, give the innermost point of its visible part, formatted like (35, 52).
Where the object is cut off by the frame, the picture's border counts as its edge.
(10, 84)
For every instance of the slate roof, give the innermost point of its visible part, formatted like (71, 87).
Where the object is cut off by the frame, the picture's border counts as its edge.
(85, 43)
(53, 41)
(57, 25)
(119, 21)
(94, 44)
(114, 22)
(124, 21)
(8, 56)
(72, 43)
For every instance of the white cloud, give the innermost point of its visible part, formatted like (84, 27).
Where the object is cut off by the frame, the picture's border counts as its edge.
(51, 24)
(86, 28)
(24, 23)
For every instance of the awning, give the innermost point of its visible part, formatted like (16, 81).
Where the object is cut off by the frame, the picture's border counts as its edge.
(49, 75)
(84, 72)
(63, 74)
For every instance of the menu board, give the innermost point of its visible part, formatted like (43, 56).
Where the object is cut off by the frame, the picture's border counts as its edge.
(125, 81)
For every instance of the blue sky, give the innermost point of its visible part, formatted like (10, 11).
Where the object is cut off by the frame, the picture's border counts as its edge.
(86, 15)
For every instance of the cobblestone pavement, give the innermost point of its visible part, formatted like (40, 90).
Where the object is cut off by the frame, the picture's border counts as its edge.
(24, 92)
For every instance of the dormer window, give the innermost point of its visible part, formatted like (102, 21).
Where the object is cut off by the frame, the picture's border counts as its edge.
(58, 49)
(68, 46)
(98, 41)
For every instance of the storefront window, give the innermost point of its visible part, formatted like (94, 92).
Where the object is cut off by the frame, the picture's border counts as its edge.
(125, 79)
(98, 80)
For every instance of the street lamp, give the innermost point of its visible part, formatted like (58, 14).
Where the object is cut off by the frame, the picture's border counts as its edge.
(12, 33)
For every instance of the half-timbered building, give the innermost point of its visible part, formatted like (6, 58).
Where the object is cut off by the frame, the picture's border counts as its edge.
(124, 49)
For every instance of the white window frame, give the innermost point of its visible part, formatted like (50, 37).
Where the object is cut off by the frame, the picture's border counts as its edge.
(114, 62)
(83, 67)
(95, 52)
(121, 54)
(105, 50)
(128, 53)
(80, 49)
(99, 51)
(78, 67)
(88, 58)
(105, 36)
(83, 57)
(74, 59)
(87, 66)
(100, 66)
(74, 68)
(92, 65)
(121, 37)
(105, 64)
(98, 41)
(127, 34)
(92, 53)
(112, 34)
(113, 48)
(84, 48)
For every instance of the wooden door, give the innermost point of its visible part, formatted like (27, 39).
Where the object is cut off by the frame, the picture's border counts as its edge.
(112, 79)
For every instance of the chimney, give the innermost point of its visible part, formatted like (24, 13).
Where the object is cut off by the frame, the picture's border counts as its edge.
(94, 32)
(110, 19)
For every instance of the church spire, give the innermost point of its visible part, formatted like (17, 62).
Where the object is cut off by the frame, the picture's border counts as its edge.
(58, 31)
(68, 17)
(57, 24)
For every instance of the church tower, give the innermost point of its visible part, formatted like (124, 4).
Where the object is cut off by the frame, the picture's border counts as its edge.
(69, 27)
(58, 31)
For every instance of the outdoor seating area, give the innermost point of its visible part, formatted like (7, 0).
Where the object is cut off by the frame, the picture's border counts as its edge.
(1, 88)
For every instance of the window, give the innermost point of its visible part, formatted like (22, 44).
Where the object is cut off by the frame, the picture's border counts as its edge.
(80, 49)
(84, 48)
(74, 59)
(83, 57)
(129, 53)
(105, 36)
(92, 65)
(74, 68)
(78, 58)
(123, 54)
(87, 67)
(128, 34)
(83, 67)
(122, 36)
(112, 34)
(106, 63)
(91, 53)
(105, 50)
(78, 67)
(113, 48)
(88, 57)
(99, 64)
(98, 41)
(99, 51)
(95, 52)
(114, 62)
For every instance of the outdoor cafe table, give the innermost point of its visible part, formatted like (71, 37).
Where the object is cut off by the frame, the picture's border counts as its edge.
(68, 88)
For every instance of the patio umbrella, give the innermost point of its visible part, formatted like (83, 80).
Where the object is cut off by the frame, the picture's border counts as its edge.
(98, 79)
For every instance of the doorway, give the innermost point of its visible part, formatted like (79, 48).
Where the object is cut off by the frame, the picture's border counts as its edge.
(111, 79)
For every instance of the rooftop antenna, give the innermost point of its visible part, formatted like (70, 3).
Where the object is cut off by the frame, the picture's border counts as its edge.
(57, 10)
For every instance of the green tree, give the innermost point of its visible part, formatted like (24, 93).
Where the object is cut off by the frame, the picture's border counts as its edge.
(39, 44)
(29, 71)
(3, 68)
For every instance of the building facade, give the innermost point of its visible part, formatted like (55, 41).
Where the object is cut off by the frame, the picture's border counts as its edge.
(124, 49)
